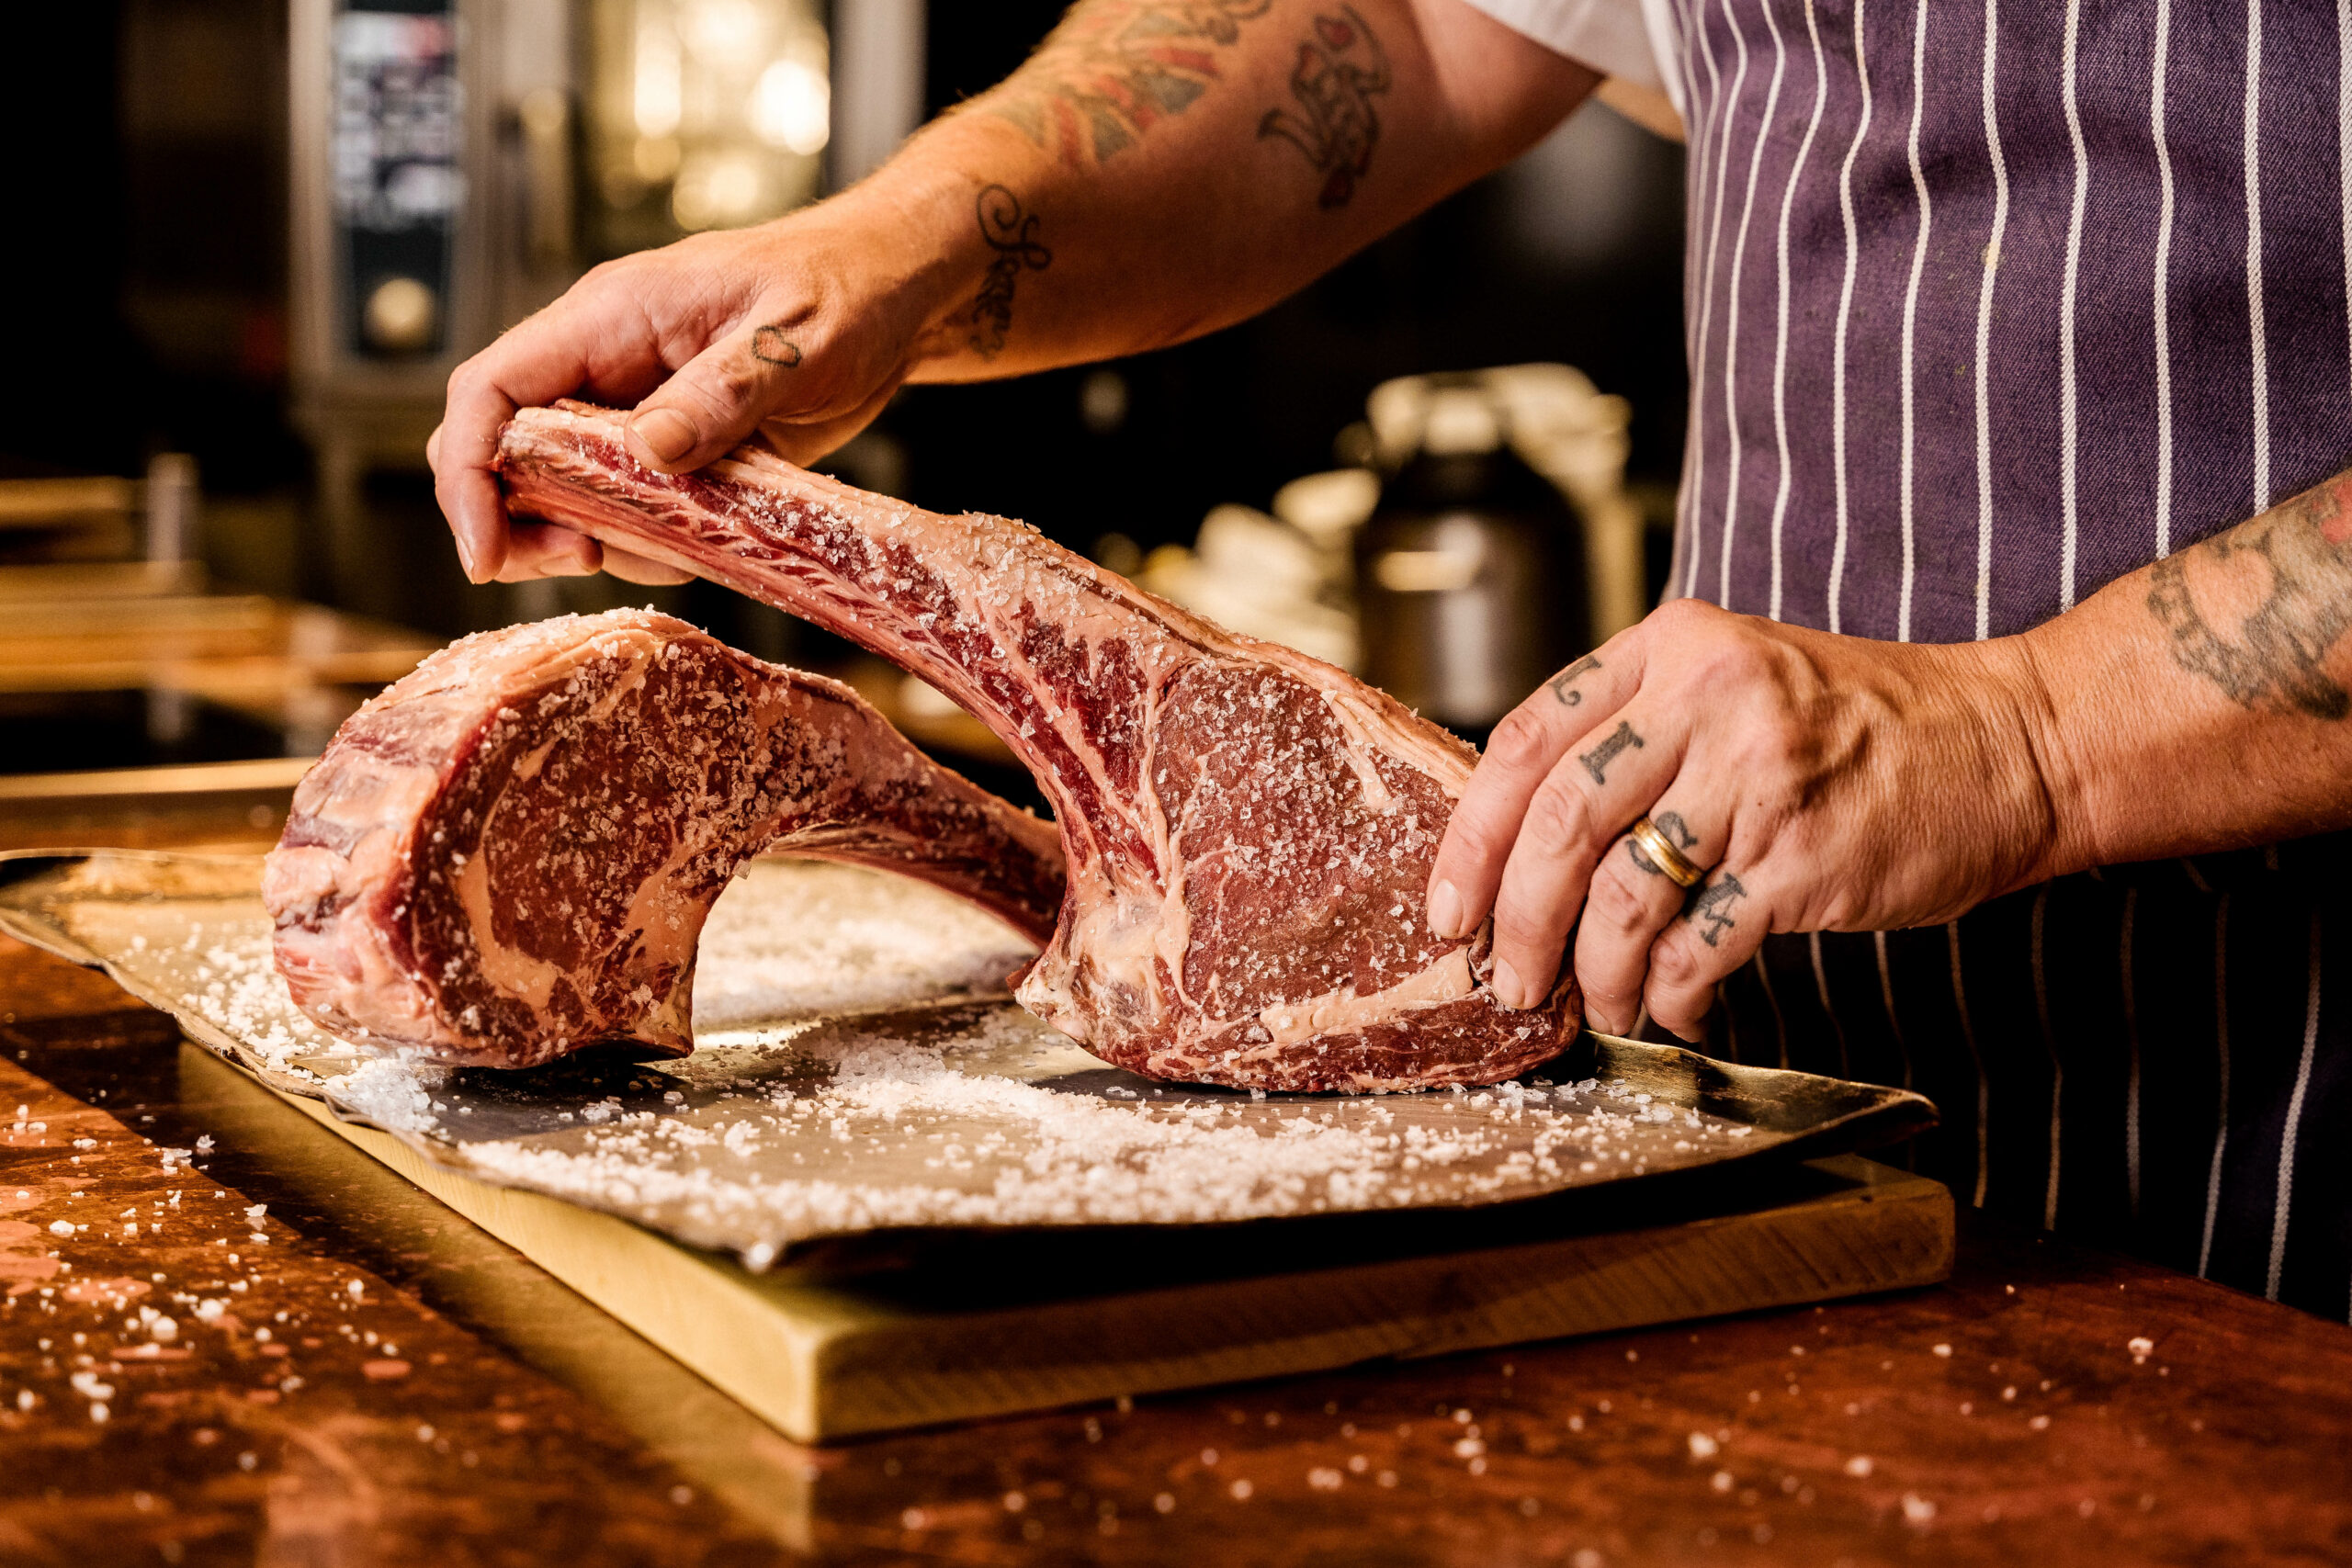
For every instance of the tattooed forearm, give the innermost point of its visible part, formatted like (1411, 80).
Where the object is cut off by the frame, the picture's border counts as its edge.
(1012, 235)
(1115, 67)
(1563, 685)
(1340, 69)
(1619, 739)
(1710, 906)
(1677, 833)
(2287, 576)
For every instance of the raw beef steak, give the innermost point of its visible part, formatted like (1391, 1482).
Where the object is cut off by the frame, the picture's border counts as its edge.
(509, 854)
(1248, 831)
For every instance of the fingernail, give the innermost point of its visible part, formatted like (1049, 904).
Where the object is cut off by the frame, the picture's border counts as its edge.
(666, 434)
(1508, 991)
(1446, 910)
(466, 560)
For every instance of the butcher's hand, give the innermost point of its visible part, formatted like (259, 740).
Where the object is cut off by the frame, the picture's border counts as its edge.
(1033, 227)
(800, 329)
(1819, 782)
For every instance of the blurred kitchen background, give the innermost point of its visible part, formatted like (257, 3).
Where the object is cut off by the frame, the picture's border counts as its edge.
(253, 236)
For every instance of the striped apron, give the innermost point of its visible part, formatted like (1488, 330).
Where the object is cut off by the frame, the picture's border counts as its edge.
(1989, 304)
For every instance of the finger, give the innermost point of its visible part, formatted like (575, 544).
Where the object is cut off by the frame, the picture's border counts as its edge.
(1723, 923)
(544, 550)
(1526, 747)
(540, 360)
(1589, 797)
(644, 570)
(1630, 901)
(719, 397)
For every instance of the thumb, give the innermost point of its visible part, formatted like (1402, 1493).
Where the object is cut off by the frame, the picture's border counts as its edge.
(805, 442)
(718, 398)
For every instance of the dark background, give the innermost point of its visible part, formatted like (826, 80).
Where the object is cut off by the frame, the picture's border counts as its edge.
(147, 280)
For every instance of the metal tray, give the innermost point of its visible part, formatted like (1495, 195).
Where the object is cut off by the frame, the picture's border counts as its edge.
(860, 1070)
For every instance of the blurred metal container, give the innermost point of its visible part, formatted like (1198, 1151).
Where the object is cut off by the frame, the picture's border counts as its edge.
(1471, 584)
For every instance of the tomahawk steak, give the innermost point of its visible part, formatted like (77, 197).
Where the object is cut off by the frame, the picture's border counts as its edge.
(509, 854)
(1249, 832)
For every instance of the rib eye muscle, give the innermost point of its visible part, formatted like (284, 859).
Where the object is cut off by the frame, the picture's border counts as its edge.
(509, 854)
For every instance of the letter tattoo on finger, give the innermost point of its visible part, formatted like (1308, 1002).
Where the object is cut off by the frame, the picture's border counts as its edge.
(1710, 906)
(769, 346)
(1596, 760)
(1563, 685)
(1677, 833)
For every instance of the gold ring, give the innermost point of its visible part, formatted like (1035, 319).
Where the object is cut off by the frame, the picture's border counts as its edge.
(1664, 854)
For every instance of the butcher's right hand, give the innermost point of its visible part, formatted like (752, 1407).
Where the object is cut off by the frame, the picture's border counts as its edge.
(799, 329)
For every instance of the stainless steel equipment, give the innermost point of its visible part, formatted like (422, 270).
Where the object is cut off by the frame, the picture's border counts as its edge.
(430, 165)
(456, 163)
(1470, 580)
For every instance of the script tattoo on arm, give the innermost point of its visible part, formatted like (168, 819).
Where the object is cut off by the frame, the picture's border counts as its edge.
(1114, 68)
(1619, 739)
(1012, 235)
(1339, 69)
(2294, 564)
(1563, 685)
(1677, 833)
(1710, 906)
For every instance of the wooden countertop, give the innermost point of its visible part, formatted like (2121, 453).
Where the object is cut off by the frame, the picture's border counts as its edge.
(382, 1383)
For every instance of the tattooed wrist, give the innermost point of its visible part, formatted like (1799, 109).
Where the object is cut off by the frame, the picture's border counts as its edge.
(1011, 233)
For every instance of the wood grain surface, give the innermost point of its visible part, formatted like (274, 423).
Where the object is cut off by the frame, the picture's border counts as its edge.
(2004, 1418)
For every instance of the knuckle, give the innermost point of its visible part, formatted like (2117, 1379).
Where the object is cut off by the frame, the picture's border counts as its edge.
(1731, 657)
(1558, 818)
(1522, 741)
(1615, 904)
(1679, 619)
(1474, 836)
(1523, 926)
(466, 380)
(1674, 967)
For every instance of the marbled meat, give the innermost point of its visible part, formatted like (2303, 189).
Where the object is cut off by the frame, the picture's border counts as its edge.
(1249, 832)
(510, 852)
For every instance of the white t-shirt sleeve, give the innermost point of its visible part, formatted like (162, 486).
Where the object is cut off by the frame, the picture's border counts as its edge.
(1627, 39)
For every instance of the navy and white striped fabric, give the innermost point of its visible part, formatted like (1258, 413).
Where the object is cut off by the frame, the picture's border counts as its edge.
(1987, 305)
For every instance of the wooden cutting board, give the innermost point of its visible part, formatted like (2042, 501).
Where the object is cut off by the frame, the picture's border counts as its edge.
(917, 1329)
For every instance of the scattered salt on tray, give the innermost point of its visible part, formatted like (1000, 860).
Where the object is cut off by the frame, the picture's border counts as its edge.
(856, 1070)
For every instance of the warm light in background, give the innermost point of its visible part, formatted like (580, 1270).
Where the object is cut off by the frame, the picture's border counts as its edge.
(725, 103)
(792, 108)
(659, 74)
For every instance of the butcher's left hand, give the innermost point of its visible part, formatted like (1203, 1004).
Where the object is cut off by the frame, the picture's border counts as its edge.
(1821, 783)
